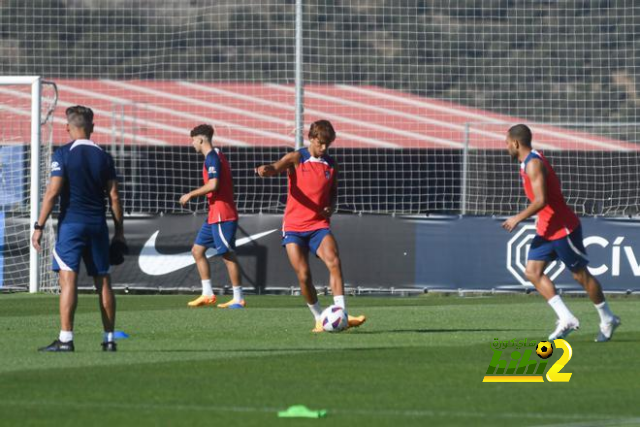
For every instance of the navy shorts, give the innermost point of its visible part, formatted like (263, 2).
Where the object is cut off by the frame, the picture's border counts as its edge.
(221, 236)
(570, 250)
(307, 239)
(76, 241)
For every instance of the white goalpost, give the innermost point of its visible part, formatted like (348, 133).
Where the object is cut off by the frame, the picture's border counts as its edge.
(23, 177)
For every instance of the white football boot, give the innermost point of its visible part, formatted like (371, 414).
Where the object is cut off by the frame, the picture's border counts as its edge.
(607, 329)
(564, 328)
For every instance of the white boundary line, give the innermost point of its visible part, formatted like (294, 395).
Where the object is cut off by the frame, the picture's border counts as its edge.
(149, 123)
(381, 128)
(248, 98)
(500, 137)
(213, 106)
(273, 104)
(479, 117)
(98, 129)
(168, 111)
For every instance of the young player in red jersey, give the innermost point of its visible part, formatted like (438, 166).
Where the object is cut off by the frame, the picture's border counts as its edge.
(219, 230)
(559, 236)
(311, 200)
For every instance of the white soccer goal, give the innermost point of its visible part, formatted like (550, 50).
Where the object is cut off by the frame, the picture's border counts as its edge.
(26, 107)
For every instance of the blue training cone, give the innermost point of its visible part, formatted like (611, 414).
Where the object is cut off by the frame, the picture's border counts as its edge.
(120, 335)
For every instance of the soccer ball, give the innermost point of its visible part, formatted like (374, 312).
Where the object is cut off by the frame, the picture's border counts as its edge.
(544, 349)
(334, 319)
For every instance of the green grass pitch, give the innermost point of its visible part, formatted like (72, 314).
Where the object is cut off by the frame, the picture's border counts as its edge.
(417, 361)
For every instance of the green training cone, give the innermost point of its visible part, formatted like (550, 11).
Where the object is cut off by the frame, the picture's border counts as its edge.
(301, 411)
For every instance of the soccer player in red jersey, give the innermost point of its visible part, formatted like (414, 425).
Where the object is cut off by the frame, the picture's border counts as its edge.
(311, 200)
(558, 236)
(219, 230)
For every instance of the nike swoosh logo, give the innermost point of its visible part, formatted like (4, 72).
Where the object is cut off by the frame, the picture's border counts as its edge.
(154, 263)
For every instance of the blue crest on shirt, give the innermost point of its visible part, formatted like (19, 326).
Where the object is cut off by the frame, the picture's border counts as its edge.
(327, 174)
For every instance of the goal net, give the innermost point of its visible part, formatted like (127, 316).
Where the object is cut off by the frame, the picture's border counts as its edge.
(429, 89)
(421, 94)
(26, 120)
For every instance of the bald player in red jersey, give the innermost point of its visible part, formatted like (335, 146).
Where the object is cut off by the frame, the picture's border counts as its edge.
(558, 236)
(311, 200)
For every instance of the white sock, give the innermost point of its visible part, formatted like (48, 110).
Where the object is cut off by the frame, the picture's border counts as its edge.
(339, 301)
(316, 310)
(206, 288)
(237, 293)
(562, 311)
(604, 311)
(65, 336)
(108, 337)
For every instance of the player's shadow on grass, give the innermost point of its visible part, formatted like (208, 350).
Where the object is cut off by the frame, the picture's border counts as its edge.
(439, 331)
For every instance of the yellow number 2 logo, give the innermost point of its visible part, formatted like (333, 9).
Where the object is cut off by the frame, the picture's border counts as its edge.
(554, 375)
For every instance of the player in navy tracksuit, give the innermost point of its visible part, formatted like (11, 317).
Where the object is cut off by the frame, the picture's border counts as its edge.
(82, 174)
